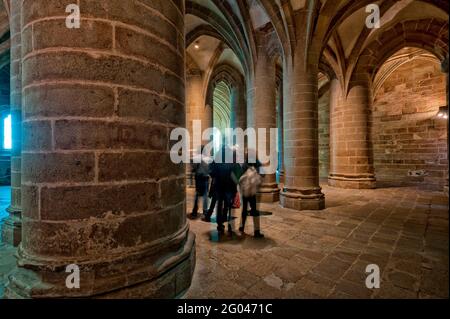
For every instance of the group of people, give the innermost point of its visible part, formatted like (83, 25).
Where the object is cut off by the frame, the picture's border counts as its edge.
(229, 182)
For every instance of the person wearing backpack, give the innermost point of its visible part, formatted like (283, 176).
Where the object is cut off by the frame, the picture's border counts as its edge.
(249, 184)
(201, 170)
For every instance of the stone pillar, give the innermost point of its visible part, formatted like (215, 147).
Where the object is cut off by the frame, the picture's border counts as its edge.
(238, 108)
(264, 114)
(234, 109)
(301, 133)
(351, 159)
(98, 187)
(196, 110)
(195, 103)
(444, 68)
(281, 133)
(12, 227)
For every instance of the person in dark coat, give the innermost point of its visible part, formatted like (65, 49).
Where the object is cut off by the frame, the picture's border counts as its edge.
(200, 171)
(225, 188)
(213, 197)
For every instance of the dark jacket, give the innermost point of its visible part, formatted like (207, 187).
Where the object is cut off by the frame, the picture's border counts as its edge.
(221, 173)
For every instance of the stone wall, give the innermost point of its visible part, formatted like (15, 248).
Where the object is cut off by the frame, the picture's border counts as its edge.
(408, 139)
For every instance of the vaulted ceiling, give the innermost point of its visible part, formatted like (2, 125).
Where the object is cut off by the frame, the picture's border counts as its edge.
(225, 31)
(339, 26)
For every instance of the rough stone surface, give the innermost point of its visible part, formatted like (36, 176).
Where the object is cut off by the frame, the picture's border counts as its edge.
(410, 142)
(325, 254)
(123, 224)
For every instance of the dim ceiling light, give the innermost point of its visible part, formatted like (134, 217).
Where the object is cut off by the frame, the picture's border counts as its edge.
(196, 46)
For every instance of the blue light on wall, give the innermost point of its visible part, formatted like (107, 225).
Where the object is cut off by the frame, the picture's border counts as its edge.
(7, 133)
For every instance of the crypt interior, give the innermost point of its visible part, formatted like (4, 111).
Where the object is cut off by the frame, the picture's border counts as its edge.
(86, 176)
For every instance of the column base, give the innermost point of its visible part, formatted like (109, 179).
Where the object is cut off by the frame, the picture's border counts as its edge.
(352, 182)
(11, 232)
(268, 193)
(164, 271)
(282, 178)
(303, 198)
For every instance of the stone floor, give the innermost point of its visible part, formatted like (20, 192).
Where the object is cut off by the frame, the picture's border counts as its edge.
(325, 254)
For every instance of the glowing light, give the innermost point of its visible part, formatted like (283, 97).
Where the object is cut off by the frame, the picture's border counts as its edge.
(443, 112)
(7, 133)
(196, 46)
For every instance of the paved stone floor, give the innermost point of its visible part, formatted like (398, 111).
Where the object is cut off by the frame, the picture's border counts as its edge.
(324, 254)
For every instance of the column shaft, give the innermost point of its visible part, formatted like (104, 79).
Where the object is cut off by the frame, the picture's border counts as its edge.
(301, 137)
(281, 133)
(444, 68)
(264, 114)
(196, 111)
(99, 190)
(351, 154)
(12, 228)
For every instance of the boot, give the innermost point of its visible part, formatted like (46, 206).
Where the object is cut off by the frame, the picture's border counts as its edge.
(193, 215)
(258, 234)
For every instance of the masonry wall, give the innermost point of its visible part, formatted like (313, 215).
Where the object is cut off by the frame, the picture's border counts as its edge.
(409, 142)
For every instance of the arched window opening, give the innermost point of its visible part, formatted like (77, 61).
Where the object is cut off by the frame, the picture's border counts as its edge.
(221, 113)
(7, 132)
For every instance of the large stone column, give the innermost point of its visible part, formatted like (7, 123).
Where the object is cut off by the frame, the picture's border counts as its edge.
(264, 113)
(351, 159)
(195, 103)
(196, 111)
(281, 133)
(98, 187)
(12, 227)
(444, 68)
(301, 132)
(238, 108)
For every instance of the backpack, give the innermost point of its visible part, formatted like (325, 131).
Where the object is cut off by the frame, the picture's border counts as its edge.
(249, 182)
